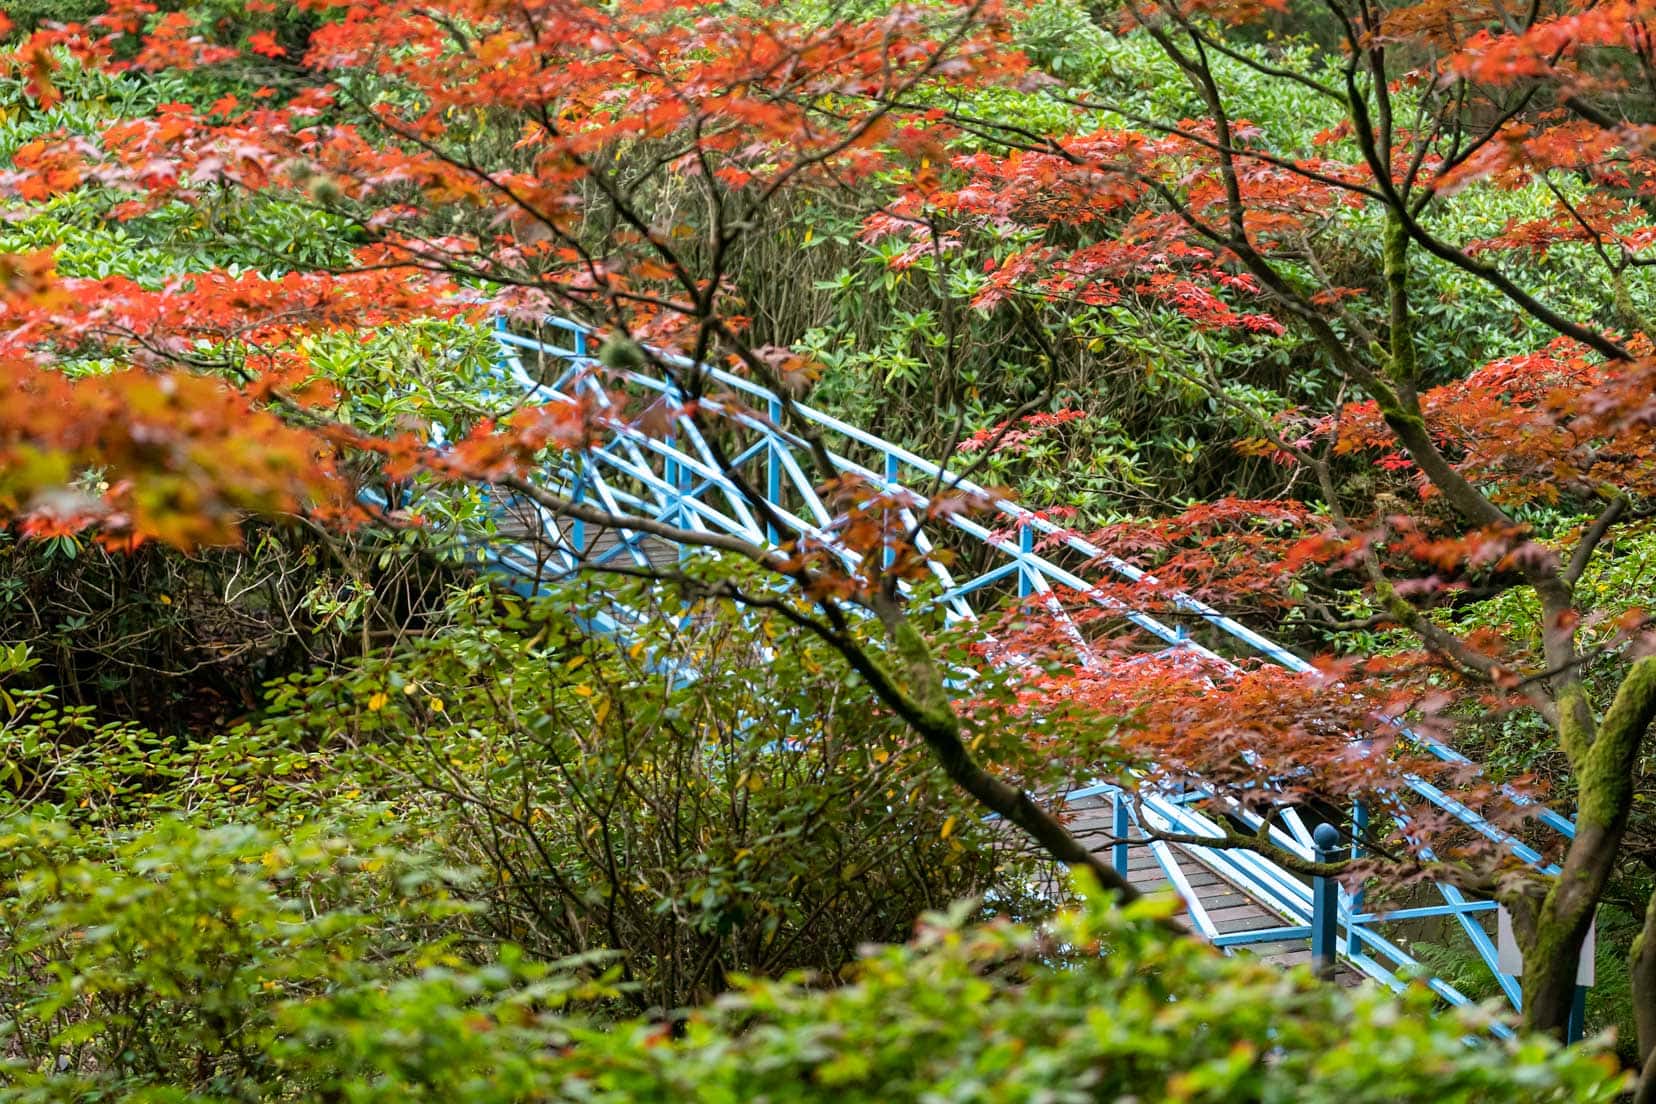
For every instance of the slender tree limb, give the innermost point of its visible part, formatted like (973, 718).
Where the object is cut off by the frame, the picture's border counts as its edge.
(1591, 539)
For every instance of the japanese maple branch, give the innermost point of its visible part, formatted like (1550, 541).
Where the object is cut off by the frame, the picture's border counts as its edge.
(1591, 539)
(1368, 142)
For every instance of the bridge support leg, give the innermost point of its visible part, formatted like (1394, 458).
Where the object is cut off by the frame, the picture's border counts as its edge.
(889, 556)
(1118, 828)
(773, 468)
(1359, 825)
(1325, 904)
(1026, 545)
(577, 527)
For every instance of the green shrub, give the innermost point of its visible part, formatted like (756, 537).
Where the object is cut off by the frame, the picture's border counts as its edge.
(160, 958)
(188, 967)
(1101, 1005)
(761, 816)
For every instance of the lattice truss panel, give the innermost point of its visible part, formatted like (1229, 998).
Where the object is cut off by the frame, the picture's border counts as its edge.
(673, 474)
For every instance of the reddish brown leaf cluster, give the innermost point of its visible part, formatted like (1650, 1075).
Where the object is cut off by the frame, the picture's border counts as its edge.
(1107, 184)
(145, 456)
(195, 401)
(1550, 426)
(1230, 551)
(755, 103)
(1002, 437)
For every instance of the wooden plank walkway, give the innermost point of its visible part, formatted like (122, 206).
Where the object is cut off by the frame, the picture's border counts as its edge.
(519, 522)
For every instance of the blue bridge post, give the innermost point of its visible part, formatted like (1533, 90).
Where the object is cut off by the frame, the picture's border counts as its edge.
(685, 487)
(577, 527)
(773, 467)
(1026, 545)
(1359, 825)
(673, 514)
(890, 555)
(1325, 903)
(1118, 828)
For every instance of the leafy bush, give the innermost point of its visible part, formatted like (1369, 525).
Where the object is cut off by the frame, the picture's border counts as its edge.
(159, 958)
(757, 816)
(228, 966)
(1101, 1005)
(184, 643)
(59, 759)
(726, 824)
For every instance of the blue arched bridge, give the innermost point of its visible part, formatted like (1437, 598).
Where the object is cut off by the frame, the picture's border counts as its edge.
(1234, 898)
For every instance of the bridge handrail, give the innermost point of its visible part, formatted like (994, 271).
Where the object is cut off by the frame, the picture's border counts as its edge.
(1278, 890)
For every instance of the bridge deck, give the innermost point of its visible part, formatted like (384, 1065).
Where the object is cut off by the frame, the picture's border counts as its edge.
(540, 544)
(1229, 908)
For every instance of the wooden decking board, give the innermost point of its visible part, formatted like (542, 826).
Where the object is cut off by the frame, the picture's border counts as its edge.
(524, 524)
(1241, 919)
(1226, 900)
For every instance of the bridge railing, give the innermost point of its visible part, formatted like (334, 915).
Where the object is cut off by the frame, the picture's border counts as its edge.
(676, 474)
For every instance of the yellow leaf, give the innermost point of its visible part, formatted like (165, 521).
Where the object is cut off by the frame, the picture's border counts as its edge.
(377, 702)
(948, 828)
(584, 691)
(575, 663)
(435, 705)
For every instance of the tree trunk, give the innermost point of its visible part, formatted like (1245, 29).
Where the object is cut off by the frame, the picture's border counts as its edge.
(1642, 969)
(1552, 950)
(1550, 965)
(1604, 777)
